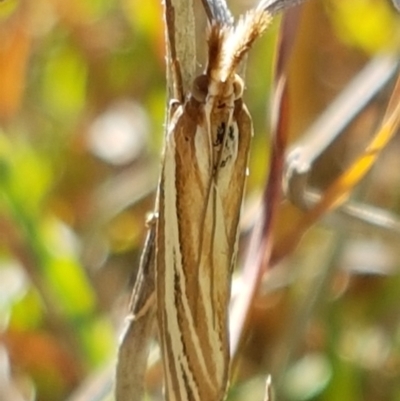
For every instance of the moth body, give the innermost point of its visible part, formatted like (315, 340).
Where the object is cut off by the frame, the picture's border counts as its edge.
(199, 201)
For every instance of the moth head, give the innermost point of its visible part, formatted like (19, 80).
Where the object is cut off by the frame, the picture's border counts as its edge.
(203, 86)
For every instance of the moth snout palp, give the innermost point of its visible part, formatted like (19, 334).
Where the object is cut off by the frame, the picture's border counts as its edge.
(234, 86)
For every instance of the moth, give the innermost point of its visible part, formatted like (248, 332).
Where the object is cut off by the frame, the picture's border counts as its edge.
(200, 194)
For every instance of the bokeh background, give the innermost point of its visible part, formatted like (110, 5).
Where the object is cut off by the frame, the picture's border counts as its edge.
(82, 103)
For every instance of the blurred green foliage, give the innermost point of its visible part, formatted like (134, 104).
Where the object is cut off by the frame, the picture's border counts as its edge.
(72, 216)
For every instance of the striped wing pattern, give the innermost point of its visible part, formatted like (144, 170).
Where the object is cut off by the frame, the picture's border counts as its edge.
(199, 201)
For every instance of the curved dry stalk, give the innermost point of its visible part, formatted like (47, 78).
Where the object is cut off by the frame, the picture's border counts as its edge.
(259, 251)
(337, 193)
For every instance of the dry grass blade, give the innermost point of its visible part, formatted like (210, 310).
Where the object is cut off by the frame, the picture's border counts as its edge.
(396, 3)
(181, 46)
(133, 351)
(275, 6)
(218, 10)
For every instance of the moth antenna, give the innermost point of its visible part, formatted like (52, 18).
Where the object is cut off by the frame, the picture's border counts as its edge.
(216, 38)
(240, 39)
